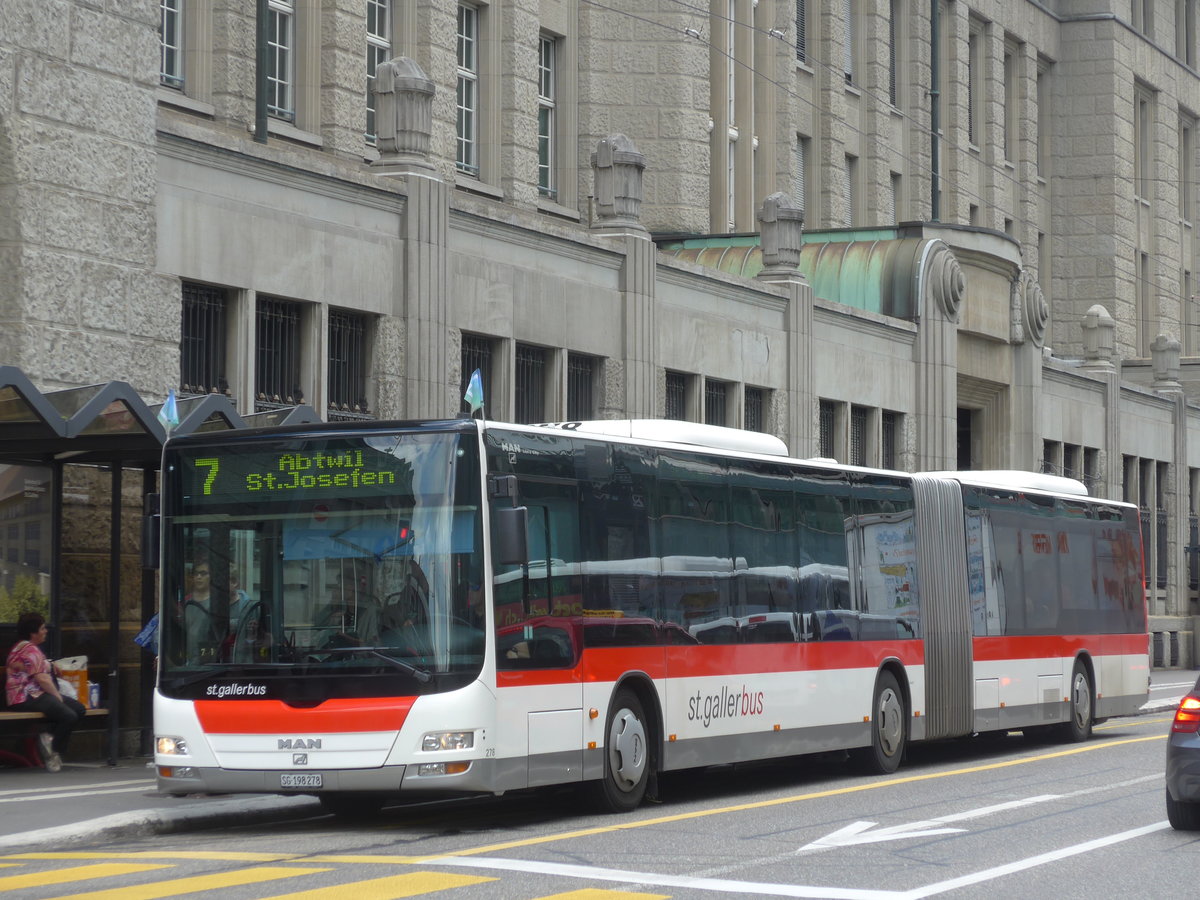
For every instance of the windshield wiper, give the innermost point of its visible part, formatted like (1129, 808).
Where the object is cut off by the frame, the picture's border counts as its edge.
(424, 676)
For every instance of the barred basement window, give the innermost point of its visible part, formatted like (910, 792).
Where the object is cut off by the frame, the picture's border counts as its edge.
(715, 398)
(889, 432)
(676, 396)
(277, 360)
(753, 416)
(581, 376)
(347, 366)
(530, 396)
(858, 435)
(826, 418)
(202, 341)
(476, 354)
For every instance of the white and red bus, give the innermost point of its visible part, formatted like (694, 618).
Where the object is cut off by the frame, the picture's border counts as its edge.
(363, 611)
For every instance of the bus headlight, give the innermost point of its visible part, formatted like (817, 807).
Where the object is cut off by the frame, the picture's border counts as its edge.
(448, 740)
(171, 746)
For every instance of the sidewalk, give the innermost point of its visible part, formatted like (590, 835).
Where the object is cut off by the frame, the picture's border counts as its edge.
(94, 802)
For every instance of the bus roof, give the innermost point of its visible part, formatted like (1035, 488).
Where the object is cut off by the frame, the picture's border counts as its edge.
(673, 431)
(1013, 479)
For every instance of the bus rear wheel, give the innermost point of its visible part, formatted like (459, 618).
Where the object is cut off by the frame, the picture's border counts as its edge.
(889, 729)
(626, 755)
(1079, 726)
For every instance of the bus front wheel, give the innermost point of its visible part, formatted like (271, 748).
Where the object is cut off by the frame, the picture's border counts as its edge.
(626, 755)
(889, 729)
(1079, 726)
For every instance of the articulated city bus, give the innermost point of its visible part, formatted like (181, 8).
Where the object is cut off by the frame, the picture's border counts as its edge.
(365, 611)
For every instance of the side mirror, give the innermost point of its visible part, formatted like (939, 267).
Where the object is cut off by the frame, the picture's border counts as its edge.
(510, 545)
(151, 532)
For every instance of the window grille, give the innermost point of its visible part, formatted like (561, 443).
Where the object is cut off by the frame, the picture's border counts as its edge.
(1160, 548)
(715, 398)
(848, 192)
(379, 50)
(170, 39)
(530, 397)
(467, 158)
(802, 30)
(826, 417)
(753, 415)
(277, 371)
(893, 82)
(800, 178)
(848, 45)
(476, 354)
(547, 117)
(202, 341)
(281, 62)
(858, 435)
(889, 433)
(676, 407)
(973, 64)
(347, 366)
(1193, 552)
(581, 373)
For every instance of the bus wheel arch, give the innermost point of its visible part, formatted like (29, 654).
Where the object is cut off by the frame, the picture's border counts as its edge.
(632, 727)
(1081, 701)
(889, 723)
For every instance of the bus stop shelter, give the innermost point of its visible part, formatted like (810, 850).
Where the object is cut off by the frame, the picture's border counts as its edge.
(116, 437)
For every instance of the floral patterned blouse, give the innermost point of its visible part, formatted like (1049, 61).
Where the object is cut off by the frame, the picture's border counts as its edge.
(24, 661)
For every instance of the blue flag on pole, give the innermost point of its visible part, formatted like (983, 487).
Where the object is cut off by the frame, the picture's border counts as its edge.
(169, 414)
(474, 394)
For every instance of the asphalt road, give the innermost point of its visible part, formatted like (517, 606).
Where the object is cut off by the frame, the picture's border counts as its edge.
(993, 818)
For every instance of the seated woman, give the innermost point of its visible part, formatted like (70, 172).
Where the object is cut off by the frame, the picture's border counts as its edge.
(30, 686)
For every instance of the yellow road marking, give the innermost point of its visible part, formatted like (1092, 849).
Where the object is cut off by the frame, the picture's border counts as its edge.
(231, 856)
(413, 884)
(176, 886)
(597, 894)
(78, 873)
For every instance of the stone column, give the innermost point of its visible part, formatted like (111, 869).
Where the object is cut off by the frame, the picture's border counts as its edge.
(943, 288)
(403, 118)
(617, 168)
(782, 227)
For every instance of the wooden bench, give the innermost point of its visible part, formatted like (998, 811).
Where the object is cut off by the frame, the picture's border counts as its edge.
(22, 725)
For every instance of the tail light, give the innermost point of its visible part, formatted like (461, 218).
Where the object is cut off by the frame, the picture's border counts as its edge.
(1187, 717)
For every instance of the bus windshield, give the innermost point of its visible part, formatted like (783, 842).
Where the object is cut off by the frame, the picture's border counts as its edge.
(349, 553)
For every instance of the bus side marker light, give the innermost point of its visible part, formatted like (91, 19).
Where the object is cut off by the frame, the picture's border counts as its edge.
(591, 745)
(671, 739)
(866, 718)
(593, 713)
(916, 714)
(776, 728)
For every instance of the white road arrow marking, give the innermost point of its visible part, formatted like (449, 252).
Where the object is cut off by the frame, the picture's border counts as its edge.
(867, 833)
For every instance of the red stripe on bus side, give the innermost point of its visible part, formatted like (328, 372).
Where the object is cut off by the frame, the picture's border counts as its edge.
(275, 716)
(609, 664)
(1050, 646)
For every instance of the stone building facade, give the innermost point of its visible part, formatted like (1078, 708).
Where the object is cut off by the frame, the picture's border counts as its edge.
(600, 203)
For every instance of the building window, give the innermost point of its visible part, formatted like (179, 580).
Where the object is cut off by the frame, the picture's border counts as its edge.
(467, 158)
(676, 407)
(716, 399)
(1010, 103)
(170, 35)
(281, 63)
(1185, 31)
(379, 50)
(859, 419)
(1043, 120)
(802, 30)
(892, 213)
(826, 423)
(277, 360)
(1142, 159)
(476, 354)
(1187, 169)
(202, 341)
(974, 97)
(347, 366)
(1143, 17)
(1144, 290)
(547, 117)
(800, 174)
(581, 378)
(755, 413)
(893, 66)
(848, 42)
(530, 396)
(848, 175)
(889, 436)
